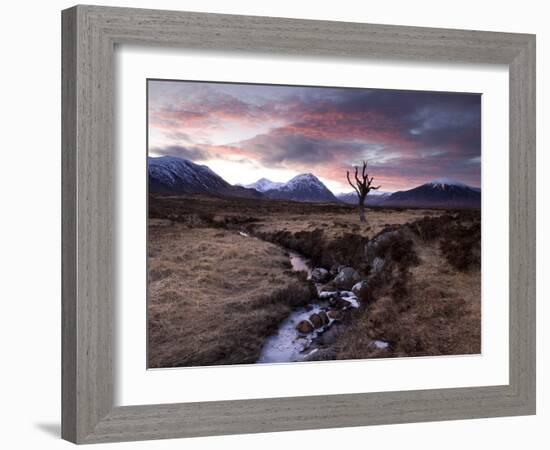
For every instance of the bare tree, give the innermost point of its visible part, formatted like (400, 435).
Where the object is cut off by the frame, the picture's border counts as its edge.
(362, 187)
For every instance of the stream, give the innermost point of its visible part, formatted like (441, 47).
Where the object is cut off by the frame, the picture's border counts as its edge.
(288, 344)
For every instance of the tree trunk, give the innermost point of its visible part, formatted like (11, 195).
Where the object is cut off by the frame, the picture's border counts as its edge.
(362, 210)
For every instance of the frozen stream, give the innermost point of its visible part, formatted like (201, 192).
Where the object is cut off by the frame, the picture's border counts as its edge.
(288, 345)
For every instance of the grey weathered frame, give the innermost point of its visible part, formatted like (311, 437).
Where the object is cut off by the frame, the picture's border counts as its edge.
(89, 36)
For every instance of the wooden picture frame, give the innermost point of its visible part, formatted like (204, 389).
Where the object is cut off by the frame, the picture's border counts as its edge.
(90, 34)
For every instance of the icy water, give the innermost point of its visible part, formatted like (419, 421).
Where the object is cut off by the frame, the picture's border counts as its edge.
(288, 345)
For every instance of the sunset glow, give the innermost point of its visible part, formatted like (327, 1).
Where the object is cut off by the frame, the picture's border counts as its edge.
(244, 132)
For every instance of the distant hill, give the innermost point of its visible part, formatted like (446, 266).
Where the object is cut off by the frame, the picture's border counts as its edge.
(305, 187)
(373, 198)
(437, 194)
(171, 174)
(263, 185)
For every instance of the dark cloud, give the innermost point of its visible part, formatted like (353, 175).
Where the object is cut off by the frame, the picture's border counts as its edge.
(433, 119)
(282, 148)
(193, 153)
(407, 135)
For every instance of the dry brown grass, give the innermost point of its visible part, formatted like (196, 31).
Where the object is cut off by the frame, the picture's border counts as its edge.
(214, 295)
(440, 313)
(269, 216)
(336, 224)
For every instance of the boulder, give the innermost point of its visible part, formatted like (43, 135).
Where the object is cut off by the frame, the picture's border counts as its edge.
(320, 275)
(335, 269)
(329, 337)
(334, 314)
(351, 298)
(316, 320)
(361, 290)
(340, 303)
(324, 317)
(304, 327)
(346, 278)
(374, 246)
(388, 243)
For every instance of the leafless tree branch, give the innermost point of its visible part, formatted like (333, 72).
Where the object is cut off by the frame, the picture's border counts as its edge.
(361, 187)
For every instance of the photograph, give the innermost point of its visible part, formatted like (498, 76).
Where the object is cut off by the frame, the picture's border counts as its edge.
(295, 224)
(265, 225)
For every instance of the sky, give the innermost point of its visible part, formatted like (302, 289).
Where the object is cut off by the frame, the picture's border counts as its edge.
(245, 132)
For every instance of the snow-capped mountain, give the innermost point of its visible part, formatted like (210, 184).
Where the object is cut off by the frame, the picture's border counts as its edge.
(305, 187)
(437, 194)
(373, 198)
(171, 174)
(263, 184)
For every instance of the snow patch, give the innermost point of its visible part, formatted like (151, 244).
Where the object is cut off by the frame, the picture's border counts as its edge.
(350, 297)
(381, 345)
(263, 185)
(442, 183)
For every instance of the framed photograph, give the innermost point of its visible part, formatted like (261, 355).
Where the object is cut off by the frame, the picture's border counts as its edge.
(277, 224)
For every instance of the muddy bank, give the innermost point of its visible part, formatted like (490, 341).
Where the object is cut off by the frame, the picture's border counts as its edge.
(322, 251)
(420, 291)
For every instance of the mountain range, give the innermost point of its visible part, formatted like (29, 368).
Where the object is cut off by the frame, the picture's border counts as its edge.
(263, 185)
(437, 194)
(305, 187)
(373, 199)
(172, 174)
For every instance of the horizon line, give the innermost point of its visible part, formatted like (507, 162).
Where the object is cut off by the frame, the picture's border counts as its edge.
(437, 180)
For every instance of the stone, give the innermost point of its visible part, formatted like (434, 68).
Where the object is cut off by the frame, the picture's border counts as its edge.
(340, 303)
(324, 317)
(334, 314)
(316, 320)
(346, 278)
(357, 288)
(320, 275)
(351, 298)
(304, 327)
(329, 337)
(373, 247)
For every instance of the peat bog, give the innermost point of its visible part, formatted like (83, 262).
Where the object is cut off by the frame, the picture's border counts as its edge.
(222, 286)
